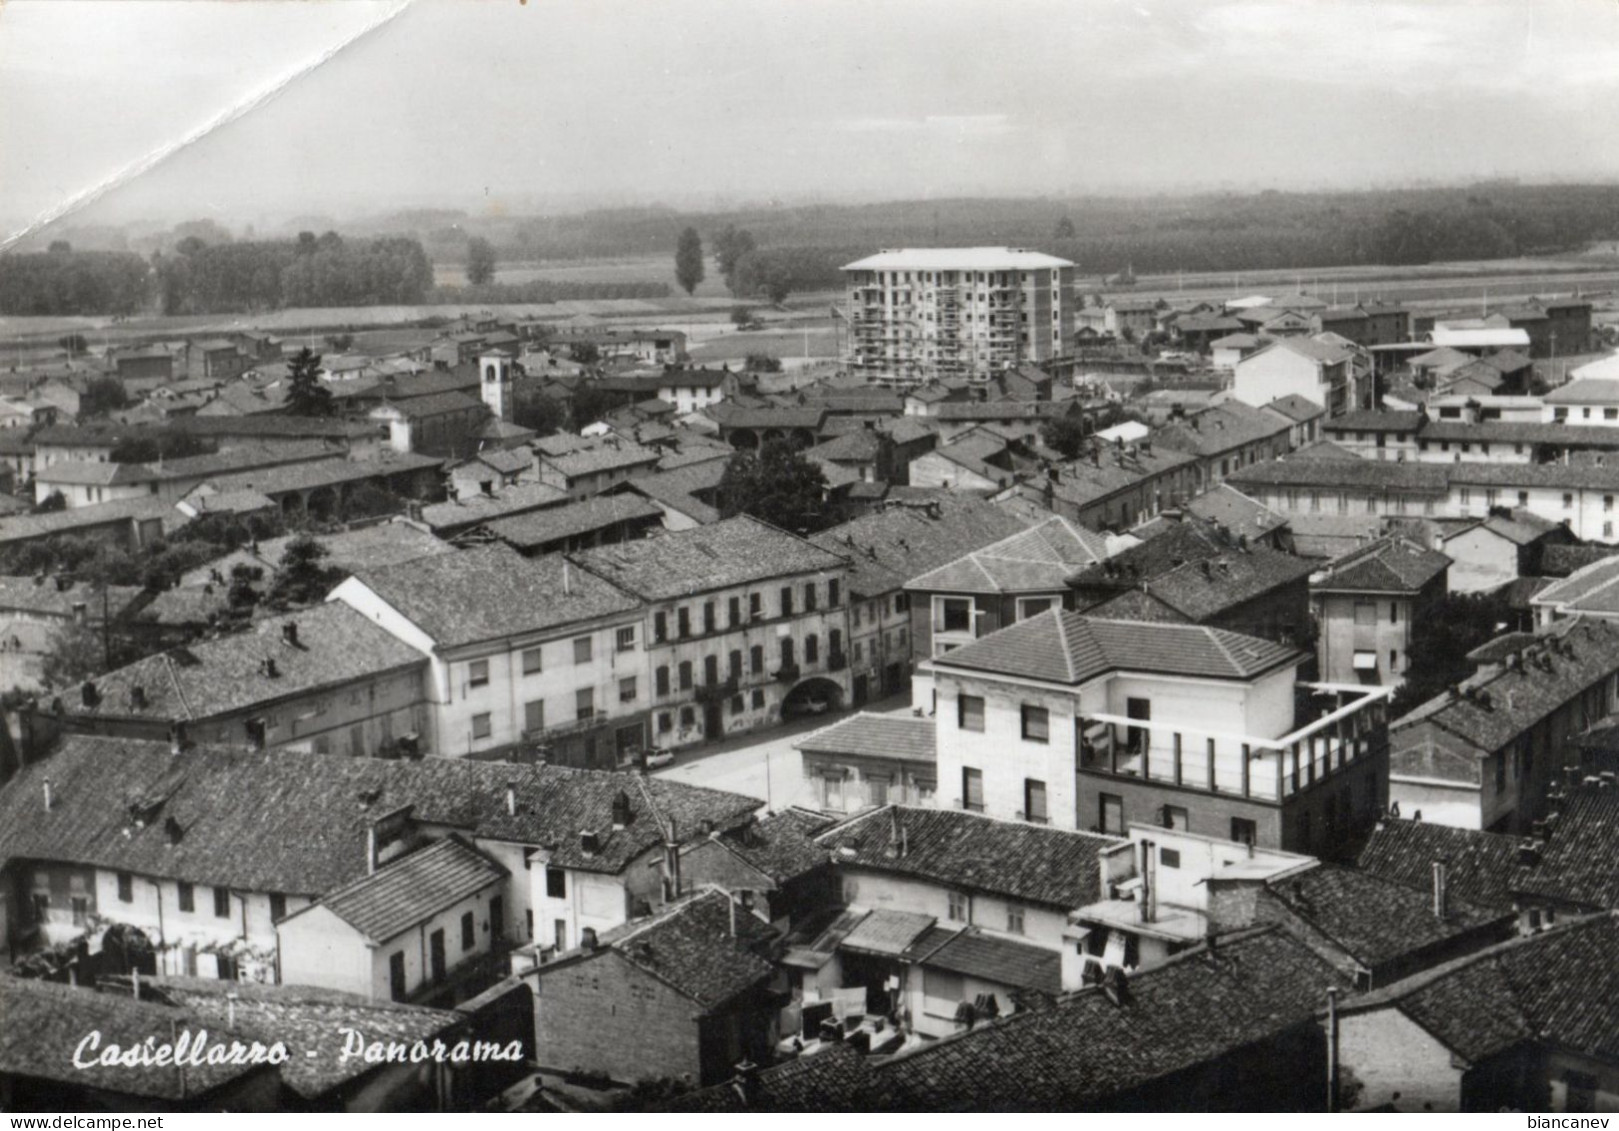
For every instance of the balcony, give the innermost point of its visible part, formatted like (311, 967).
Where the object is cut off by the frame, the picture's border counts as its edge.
(716, 692)
(786, 673)
(836, 662)
(1342, 725)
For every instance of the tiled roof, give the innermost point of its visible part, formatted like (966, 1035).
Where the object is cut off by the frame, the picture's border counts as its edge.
(409, 891)
(1479, 866)
(47, 1021)
(1340, 474)
(867, 735)
(1038, 559)
(830, 1080)
(1382, 421)
(1064, 647)
(1579, 863)
(1377, 920)
(677, 488)
(1231, 579)
(1585, 390)
(889, 547)
(473, 509)
(1558, 988)
(1083, 481)
(1088, 1052)
(737, 551)
(990, 958)
(1235, 511)
(1498, 704)
(1220, 429)
(336, 647)
(605, 456)
(957, 259)
(97, 473)
(951, 847)
(325, 473)
(307, 1020)
(999, 410)
(1295, 407)
(730, 415)
(782, 845)
(539, 528)
(24, 527)
(1389, 565)
(47, 599)
(293, 426)
(1563, 560)
(493, 592)
(1591, 589)
(436, 404)
(286, 821)
(691, 947)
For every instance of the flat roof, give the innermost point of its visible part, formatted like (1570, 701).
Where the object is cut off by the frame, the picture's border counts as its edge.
(957, 259)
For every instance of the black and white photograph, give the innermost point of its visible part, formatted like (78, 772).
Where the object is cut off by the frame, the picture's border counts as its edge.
(831, 556)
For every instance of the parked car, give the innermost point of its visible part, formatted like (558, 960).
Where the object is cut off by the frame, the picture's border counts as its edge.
(656, 758)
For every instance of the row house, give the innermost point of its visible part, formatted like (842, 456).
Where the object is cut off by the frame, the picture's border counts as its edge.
(1113, 487)
(354, 874)
(587, 471)
(1090, 724)
(1325, 369)
(523, 653)
(1484, 753)
(325, 679)
(743, 625)
(1225, 438)
(1582, 495)
(884, 551)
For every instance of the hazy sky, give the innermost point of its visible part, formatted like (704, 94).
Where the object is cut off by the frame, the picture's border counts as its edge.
(569, 103)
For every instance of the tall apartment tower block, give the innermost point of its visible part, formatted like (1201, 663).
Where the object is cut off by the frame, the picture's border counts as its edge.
(920, 314)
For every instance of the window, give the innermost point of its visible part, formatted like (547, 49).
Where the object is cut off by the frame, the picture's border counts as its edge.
(1568, 500)
(534, 716)
(1365, 612)
(1244, 831)
(477, 673)
(222, 903)
(735, 663)
(469, 931)
(396, 975)
(1394, 659)
(952, 614)
(734, 611)
(482, 725)
(958, 910)
(582, 651)
(942, 990)
(1034, 800)
(585, 702)
(786, 601)
(756, 606)
(970, 712)
(661, 680)
(531, 661)
(812, 649)
(1032, 606)
(685, 675)
(738, 705)
(1169, 857)
(278, 906)
(711, 614)
(80, 906)
(756, 659)
(972, 789)
(556, 883)
(626, 638)
(1176, 817)
(786, 651)
(758, 699)
(832, 594)
(902, 602)
(1036, 724)
(126, 888)
(683, 621)
(1110, 813)
(1501, 772)
(688, 717)
(660, 627)
(1014, 920)
(666, 723)
(626, 690)
(1523, 498)
(1394, 612)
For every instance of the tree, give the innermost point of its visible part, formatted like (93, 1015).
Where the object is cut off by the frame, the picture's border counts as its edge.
(762, 363)
(742, 317)
(1065, 434)
(590, 404)
(689, 260)
(1440, 641)
(729, 247)
(307, 395)
(75, 344)
(61, 247)
(777, 485)
(537, 411)
(158, 444)
(480, 261)
(1064, 230)
(300, 578)
(585, 353)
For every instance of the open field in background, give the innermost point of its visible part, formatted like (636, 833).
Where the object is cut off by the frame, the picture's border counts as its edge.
(705, 316)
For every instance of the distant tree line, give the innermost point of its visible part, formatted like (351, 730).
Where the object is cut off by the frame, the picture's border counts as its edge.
(545, 290)
(197, 277)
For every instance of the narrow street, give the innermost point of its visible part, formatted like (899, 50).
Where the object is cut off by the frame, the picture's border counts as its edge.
(764, 765)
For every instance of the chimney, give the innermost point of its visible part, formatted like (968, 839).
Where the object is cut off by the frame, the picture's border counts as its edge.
(488, 486)
(137, 697)
(747, 1082)
(511, 799)
(81, 612)
(173, 830)
(230, 1011)
(50, 799)
(589, 842)
(1149, 882)
(270, 669)
(567, 577)
(1441, 892)
(370, 849)
(90, 694)
(621, 810)
(289, 633)
(730, 904)
(1528, 855)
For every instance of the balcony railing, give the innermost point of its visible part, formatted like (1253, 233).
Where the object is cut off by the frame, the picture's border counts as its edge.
(1265, 769)
(787, 673)
(716, 692)
(836, 662)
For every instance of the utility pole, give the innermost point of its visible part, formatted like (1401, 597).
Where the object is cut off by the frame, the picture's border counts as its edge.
(1332, 1049)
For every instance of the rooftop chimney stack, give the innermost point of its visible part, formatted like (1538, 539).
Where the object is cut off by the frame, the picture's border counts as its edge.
(50, 799)
(1441, 892)
(289, 633)
(511, 799)
(370, 849)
